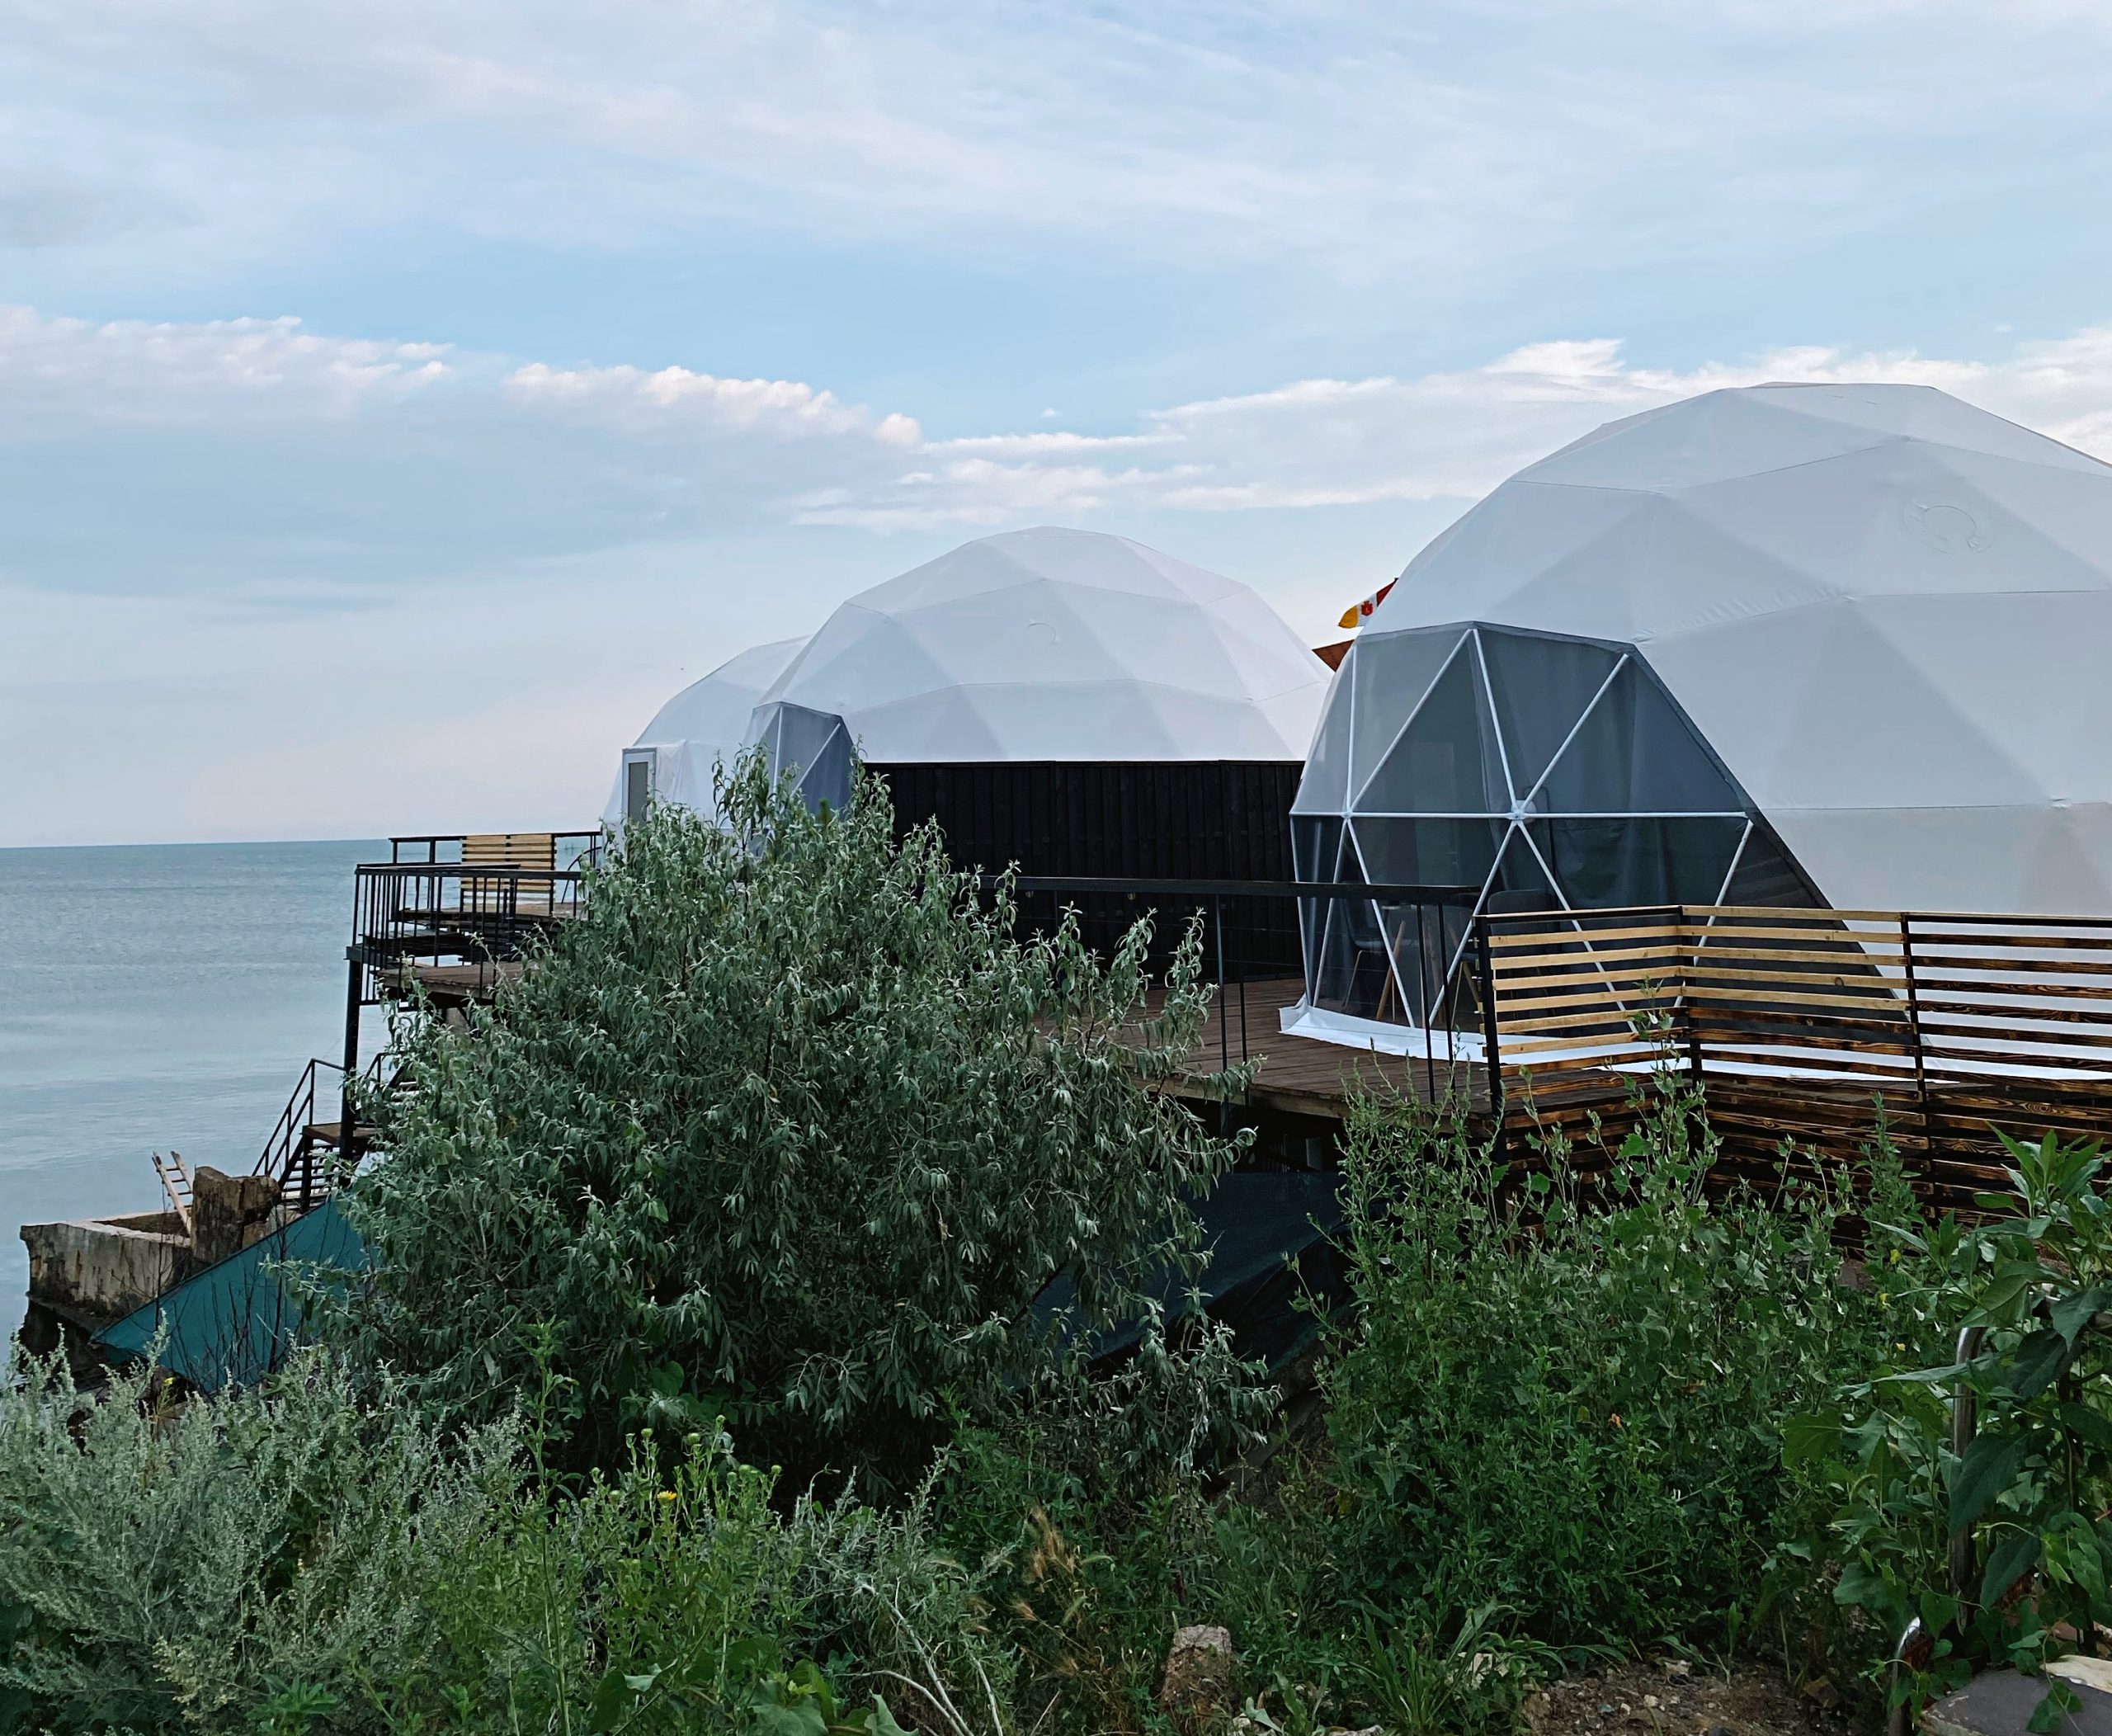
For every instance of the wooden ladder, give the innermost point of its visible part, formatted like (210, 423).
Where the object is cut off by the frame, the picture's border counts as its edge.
(176, 1186)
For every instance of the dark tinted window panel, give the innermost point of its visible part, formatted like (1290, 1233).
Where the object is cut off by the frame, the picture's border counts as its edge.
(1386, 690)
(1541, 687)
(1639, 861)
(1635, 754)
(1764, 876)
(1428, 852)
(1448, 760)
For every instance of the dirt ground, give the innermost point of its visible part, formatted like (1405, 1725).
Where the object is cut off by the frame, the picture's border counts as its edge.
(1671, 1697)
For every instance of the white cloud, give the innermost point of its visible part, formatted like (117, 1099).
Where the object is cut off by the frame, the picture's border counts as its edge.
(1317, 443)
(74, 371)
(211, 536)
(256, 455)
(671, 398)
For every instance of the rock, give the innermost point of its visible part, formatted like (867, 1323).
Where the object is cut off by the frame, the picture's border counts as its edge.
(1201, 1683)
(228, 1213)
(1721, 1729)
(1821, 1692)
(1676, 1669)
(2083, 1672)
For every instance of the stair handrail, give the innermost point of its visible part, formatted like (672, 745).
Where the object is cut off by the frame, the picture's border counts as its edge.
(294, 1120)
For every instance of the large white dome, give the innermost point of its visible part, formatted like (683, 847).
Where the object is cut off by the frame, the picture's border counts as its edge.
(1057, 645)
(1887, 613)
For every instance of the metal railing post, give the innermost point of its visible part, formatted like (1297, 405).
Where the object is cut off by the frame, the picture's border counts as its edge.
(1686, 1000)
(1963, 1561)
(1224, 1033)
(1485, 969)
(1914, 1029)
(354, 970)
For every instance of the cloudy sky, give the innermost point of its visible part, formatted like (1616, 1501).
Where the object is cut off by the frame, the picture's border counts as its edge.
(399, 400)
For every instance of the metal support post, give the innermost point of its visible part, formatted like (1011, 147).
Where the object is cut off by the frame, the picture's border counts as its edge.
(354, 969)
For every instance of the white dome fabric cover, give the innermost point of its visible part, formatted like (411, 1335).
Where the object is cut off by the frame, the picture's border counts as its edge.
(1054, 645)
(1888, 613)
(700, 727)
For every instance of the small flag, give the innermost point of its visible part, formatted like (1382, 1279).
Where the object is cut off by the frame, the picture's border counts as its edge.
(1361, 613)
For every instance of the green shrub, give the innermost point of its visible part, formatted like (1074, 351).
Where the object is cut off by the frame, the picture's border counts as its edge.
(296, 1560)
(1575, 1415)
(789, 1127)
(2034, 1276)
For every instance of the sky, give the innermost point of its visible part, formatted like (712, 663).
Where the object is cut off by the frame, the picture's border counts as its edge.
(399, 400)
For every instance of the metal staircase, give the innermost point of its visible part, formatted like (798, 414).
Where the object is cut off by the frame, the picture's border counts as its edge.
(308, 1156)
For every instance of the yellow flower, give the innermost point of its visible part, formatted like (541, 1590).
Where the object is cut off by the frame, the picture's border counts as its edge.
(668, 1494)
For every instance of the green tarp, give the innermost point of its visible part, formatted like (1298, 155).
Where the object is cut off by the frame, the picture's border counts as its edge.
(233, 1323)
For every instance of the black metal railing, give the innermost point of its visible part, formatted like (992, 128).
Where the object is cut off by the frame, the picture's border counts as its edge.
(1380, 954)
(293, 1151)
(1384, 954)
(436, 849)
(477, 920)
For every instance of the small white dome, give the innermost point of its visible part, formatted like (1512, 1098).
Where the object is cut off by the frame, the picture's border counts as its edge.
(700, 728)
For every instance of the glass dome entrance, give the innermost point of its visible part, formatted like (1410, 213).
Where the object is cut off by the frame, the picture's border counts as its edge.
(1550, 773)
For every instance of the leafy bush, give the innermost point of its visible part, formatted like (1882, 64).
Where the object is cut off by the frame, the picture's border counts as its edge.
(789, 1127)
(295, 1560)
(1575, 1414)
(2031, 1278)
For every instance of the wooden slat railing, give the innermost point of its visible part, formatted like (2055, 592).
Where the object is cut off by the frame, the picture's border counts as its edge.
(1796, 1021)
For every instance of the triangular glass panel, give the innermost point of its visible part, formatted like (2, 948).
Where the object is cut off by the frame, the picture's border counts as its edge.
(1421, 939)
(1453, 854)
(1765, 875)
(825, 781)
(1391, 675)
(1541, 687)
(1316, 841)
(1447, 761)
(1607, 863)
(1352, 975)
(1323, 787)
(1634, 754)
(1521, 885)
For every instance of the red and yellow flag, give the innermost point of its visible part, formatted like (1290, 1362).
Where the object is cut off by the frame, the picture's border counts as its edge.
(1361, 613)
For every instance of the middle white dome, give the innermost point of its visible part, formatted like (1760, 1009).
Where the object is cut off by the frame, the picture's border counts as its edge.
(1051, 644)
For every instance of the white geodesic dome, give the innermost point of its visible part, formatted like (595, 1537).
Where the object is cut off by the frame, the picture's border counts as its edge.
(701, 727)
(1887, 615)
(1047, 645)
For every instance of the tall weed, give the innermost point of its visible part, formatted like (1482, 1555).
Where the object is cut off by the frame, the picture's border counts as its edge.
(1570, 1400)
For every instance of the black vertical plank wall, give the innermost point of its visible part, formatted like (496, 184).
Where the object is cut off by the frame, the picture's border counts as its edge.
(1198, 820)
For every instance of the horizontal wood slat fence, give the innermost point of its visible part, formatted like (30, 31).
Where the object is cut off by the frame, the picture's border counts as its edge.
(1797, 1022)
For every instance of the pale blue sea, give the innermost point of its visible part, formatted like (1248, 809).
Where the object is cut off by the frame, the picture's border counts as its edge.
(156, 997)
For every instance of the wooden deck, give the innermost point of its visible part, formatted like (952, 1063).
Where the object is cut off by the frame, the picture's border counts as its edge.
(1300, 1076)
(451, 985)
(1798, 1024)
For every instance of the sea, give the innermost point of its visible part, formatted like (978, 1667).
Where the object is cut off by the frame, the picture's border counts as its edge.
(158, 998)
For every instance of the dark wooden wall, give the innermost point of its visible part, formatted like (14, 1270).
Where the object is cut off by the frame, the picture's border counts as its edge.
(1192, 820)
